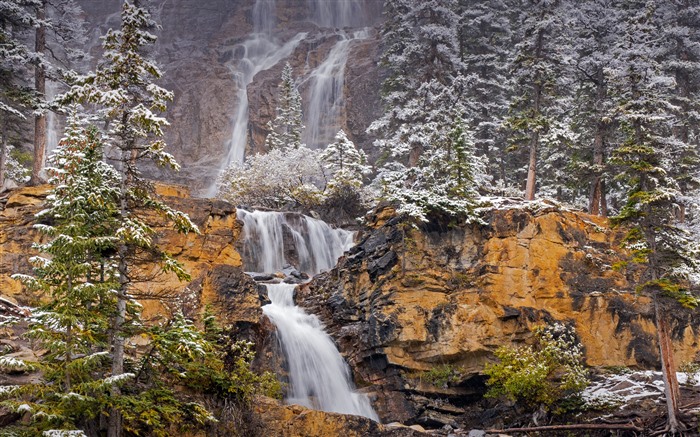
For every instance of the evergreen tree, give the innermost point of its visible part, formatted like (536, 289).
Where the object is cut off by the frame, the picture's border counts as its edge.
(57, 31)
(486, 40)
(536, 112)
(593, 32)
(680, 24)
(80, 281)
(15, 96)
(285, 129)
(347, 163)
(645, 161)
(122, 86)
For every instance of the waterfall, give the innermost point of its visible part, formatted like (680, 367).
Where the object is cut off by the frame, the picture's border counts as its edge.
(52, 126)
(261, 51)
(338, 13)
(318, 375)
(326, 97)
(313, 244)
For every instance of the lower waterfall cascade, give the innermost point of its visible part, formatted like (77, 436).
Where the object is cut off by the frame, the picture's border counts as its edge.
(319, 378)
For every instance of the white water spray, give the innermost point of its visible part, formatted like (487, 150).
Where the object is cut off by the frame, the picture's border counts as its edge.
(315, 245)
(326, 103)
(260, 52)
(338, 13)
(318, 375)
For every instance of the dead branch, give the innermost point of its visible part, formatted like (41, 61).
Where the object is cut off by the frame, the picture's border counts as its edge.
(616, 427)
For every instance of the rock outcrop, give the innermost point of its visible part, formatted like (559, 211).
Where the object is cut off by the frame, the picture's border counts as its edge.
(404, 301)
(295, 420)
(210, 258)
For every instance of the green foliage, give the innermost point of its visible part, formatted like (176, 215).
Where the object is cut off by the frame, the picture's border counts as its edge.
(692, 371)
(442, 375)
(544, 374)
(672, 289)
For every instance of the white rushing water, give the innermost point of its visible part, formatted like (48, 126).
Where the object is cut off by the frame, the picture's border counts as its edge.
(313, 244)
(337, 13)
(326, 103)
(318, 375)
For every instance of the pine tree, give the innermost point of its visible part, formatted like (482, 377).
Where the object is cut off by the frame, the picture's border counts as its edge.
(347, 164)
(79, 280)
(645, 165)
(535, 112)
(122, 86)
(285, 129)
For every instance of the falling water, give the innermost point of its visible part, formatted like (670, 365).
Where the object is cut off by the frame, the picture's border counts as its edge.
(338, 13)
(52, 126)
(316, 245)
(318, 376)
(326, 97)
(261, 51)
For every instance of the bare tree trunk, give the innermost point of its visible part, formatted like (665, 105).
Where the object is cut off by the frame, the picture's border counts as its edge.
(668, 368)
(531, 184)
(597, 199)
(3, 153)
(115, 420)
(532, 167)
(40, 88)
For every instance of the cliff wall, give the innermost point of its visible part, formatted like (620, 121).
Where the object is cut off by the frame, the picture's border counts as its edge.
(405, 300)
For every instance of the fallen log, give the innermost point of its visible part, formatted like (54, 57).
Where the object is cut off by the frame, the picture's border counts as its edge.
(621, 427)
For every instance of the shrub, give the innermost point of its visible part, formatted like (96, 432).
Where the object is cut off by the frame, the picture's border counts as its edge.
(443, 375)
(550, 371)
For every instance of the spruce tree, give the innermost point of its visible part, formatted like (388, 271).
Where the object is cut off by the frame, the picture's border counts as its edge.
(122, 86)
(645, 161)
(347, 163)
(285, 129)
(78, 281)
(535, 112)
(16, 98)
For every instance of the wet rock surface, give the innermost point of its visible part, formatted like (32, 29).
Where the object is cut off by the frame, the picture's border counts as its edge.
(404, 301)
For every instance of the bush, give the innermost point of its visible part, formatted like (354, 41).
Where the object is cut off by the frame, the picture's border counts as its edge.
(546, 373)
(443, 375)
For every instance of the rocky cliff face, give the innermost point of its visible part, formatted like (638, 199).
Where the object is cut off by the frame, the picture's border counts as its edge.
(201, 52)
(210, 258)
(404, 301)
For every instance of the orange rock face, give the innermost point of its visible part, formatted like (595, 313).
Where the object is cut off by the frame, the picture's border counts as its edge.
(405, 300)
(210, 257)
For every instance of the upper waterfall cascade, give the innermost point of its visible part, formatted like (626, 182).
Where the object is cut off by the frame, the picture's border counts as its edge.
(267, 47)
(326, 97)
(274, 241)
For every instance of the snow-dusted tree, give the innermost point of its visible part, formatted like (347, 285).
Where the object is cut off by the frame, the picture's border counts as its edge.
(122, 86)
(285, 129)
(485, 36)
(425, 97)
(76, 275)
(57, 34)
(15, 96)
(592, 32)
(680, 24)
(346, 163)
(645, 161)
(280, 178)
(422, 55)
(537, 70)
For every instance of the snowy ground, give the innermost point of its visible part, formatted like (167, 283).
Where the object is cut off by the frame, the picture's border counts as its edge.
(628, 388)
